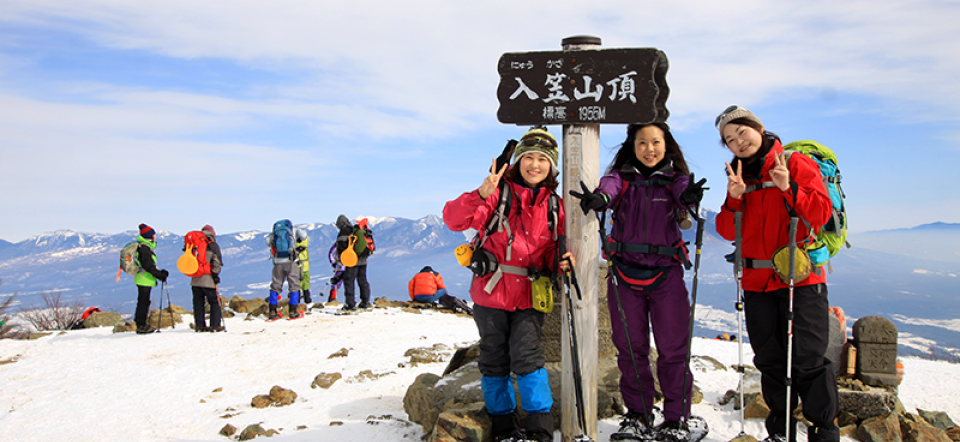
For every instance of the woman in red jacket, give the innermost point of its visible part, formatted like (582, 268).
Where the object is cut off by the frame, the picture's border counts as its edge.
(764, 186)
(509, 326)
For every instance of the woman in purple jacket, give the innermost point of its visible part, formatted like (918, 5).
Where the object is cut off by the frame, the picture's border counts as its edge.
(648, 188)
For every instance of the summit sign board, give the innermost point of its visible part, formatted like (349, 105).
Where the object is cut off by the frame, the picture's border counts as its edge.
(584, 86)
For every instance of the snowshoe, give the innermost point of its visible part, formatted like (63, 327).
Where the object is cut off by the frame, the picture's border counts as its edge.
(693, 430)
(637, 427)
(295, 315)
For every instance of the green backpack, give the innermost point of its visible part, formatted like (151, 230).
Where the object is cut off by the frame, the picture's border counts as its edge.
(364, 245)
(833, 234)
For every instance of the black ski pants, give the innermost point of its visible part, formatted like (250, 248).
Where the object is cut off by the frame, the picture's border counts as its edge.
(356, 273)
(209, 295)
(813, 374)
(143, 305)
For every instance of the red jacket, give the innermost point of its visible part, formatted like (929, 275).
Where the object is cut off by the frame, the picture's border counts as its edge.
(425, 283)
(533, 243)
(766, 222)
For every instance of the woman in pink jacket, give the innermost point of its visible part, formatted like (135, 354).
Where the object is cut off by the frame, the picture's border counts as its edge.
(524, 246)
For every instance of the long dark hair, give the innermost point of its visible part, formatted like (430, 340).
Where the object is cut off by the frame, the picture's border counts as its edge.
(626, 154)
(513, 174)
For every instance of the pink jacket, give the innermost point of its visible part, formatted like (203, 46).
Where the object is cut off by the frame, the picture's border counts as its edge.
(533, 243)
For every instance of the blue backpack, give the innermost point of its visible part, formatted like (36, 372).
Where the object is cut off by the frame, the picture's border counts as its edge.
(283, 242)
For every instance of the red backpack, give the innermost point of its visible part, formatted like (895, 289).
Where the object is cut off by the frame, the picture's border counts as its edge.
(196, 243)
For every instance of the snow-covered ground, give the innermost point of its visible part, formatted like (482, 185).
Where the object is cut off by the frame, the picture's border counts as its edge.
(93, 385)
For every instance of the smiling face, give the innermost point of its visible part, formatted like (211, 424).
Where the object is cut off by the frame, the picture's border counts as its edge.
(744, 141)
(534, 168)
(650, 146)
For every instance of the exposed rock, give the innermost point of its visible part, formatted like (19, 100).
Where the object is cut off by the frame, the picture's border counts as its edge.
(852, 384)
(237, 304)
(919, 430)
(938, 419)
(418, 400)
(168, 318)
(228, 430)
(462, 423)
(252, 431)
(37, 335)
(340, 354)
(880, 429)
(103, 319)
(867, 404)
(368, 375)
(325, 380)
(278, 397)
(383, 302)
(756, 406)
(125, 327)
(282, 396)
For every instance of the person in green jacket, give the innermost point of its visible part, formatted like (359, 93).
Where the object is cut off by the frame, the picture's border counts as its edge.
(304, 261)
(147, 277)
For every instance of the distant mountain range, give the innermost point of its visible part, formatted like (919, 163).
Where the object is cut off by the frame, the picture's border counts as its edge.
(909, 275)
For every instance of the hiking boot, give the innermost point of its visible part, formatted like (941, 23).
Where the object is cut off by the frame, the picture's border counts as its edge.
(216, 329)
(674, 431)
(775, 438)
(202, 329)
(823, 434)
(294, 315)
(273, 313)
(514, 436)
(350, 308)
(146, 329)
(364, 305)
(634, 426)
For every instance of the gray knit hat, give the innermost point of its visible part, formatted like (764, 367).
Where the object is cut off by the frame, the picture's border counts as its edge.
(732, 113)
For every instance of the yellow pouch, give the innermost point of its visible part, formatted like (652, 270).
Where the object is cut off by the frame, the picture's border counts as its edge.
(781, 264)
(541, 294)
(464, 254)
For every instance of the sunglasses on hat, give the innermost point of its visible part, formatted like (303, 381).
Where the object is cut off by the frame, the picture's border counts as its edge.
(538, 141)
(725, 112)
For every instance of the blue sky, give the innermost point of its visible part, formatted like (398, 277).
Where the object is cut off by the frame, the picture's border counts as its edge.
(238, 113)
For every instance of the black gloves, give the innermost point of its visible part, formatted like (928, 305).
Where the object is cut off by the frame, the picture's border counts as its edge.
(216, 278)
(589, 200)
(163, 275)
(694, 191)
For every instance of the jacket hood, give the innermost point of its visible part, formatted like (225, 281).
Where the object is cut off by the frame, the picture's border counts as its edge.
(343, 221)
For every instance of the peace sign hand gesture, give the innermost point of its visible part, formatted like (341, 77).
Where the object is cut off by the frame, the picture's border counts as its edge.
(490, 183)
(735, 185)
(779, 173)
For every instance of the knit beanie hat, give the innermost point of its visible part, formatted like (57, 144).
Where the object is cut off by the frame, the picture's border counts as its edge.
(732, 113)
(538, 140)
(209, 228)
(147, 232)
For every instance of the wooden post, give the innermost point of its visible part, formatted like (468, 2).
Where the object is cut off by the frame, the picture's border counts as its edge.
(581, 161)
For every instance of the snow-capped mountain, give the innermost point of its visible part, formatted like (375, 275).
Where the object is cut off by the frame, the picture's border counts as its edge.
(881, 274)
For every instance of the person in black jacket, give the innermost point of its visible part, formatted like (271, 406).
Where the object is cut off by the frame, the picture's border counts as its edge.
(147, 277)
(356, 273)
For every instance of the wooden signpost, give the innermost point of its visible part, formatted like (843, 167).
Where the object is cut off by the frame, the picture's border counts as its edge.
(582, 87)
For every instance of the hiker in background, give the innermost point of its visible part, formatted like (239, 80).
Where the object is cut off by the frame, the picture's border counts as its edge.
(649, 188)
(204, 287)
(282, 242)
(303, 259)
(797, 185)
(147, 277)
(358, 272)
(427, 287)
(510, 327)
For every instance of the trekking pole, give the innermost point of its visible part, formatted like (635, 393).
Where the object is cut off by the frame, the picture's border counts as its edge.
(574, 347)
(738, 275)
(169, 306)
(160, 312)
(791, 274)
(693, 307)
(623, 318)
(223, 323)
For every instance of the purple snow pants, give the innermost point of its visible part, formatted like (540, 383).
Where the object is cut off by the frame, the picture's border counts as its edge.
(667, 309)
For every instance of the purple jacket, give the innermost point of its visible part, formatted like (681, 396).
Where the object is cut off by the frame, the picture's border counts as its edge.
(645, 214)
